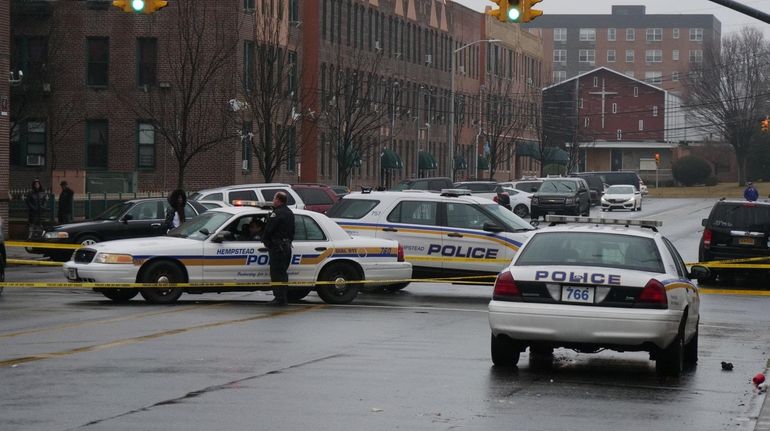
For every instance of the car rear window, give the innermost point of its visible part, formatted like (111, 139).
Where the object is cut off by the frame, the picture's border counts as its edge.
(744, 216)
(314, 196)
(245, 195)
(592, 249)
(269, 194)
(352, 208)
(489, 188)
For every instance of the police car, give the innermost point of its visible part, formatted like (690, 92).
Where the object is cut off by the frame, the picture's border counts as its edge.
(443, 235)
(215, 247)
(590, 284)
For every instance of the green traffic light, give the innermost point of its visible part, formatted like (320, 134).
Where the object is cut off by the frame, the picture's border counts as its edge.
(138, 5)
(513, 14)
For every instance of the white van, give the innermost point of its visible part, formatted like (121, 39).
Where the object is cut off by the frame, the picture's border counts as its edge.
(250, 192)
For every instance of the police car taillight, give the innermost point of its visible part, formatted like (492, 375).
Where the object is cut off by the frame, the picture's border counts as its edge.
(654, 292)
(505, 288)
(400, 253)
(707, 238)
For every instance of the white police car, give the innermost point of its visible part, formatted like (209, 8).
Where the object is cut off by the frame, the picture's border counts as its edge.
(594, 284)
(443, 235)
(214, 247)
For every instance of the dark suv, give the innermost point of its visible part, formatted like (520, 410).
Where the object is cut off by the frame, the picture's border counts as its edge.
(566, 196)
(734, 230)
(595, 185)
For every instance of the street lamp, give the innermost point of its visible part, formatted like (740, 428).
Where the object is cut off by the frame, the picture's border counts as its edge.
(452, 105)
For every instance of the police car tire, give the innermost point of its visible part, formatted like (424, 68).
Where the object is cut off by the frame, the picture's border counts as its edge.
(396, 287)
(153, 274)
(297, 293)
(119, 295)
(691, 351)
(670, 361)
(87, 240)
(521, 210)
(505, 352)
(330, 293)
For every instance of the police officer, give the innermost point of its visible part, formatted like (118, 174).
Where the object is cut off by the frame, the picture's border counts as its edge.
(277, 237)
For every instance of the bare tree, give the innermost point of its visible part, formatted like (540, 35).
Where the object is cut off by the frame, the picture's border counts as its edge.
(270, 87)
(728, 93)
(191, 114)
(354, 110)
(507, 114)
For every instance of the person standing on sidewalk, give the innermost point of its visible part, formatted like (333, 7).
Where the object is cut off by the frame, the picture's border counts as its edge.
(35, 200)
(277, 237)
(65, 203)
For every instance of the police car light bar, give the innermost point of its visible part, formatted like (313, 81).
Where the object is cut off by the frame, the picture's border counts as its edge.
(455, 192)
(597, 220)
(247, 203)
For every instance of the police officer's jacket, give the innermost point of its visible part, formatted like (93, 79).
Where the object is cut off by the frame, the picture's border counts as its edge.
(279, 230)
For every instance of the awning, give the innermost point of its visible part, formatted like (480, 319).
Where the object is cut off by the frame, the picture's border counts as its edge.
(427, 161)
(390, 160)
(555, 155)
(483, 164)
(460, 162)
(528, 149)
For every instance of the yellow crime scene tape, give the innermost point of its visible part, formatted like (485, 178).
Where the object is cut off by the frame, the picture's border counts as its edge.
(42, 245)
(742, 263)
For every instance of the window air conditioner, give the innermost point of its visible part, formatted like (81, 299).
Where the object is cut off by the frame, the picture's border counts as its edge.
(35, 160)
(428, 59)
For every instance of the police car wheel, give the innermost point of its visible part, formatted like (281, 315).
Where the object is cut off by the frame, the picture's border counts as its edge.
(341, 291)
(297, 293)
(521, 210)
(505, 352)
(691, 351)
(670, 361)
(162, 272)
(119, 295)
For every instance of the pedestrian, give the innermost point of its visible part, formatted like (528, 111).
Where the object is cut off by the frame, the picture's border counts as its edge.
(277, 237)
(253, 230)
(175, 215)
(35, 200)
(751, 193)
(65, 203)
(503, 199)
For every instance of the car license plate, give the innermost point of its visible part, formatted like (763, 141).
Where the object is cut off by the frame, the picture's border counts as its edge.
(746, 241)
(577, 294)
(72, 273)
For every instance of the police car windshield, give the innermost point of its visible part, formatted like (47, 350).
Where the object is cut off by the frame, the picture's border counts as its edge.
(558, 186)
(592, 249)
(512, 221)
(209, 222)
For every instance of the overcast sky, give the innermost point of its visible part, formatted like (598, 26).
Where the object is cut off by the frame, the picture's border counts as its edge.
(732, 21)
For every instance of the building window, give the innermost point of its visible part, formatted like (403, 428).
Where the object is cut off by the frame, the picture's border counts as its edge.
(614, 108)
(596, 81)
(98, 51)
(636, 91)
(248, 4)
(293, 75)
(246, 138)
(654, 34)
(610, 56)
(147, 60)
(587, 34)
(560, 35)
(653, 56)
(675, 55)
(675, 33)
(629, 56)
(654, 111)
(294, 11)
(675, 76)
(580, 103)
(146, 145)
(630, 34)
(619, 135)
(641, 124)
(611, 34)
(559, 76)
(653, 77)
(559, 55)
(30, 54)
(96, 144)
(587, 55)
(696, 35)
(249, 64)
(586, 122)
(696, 56)
(28, 143)
(291, 151)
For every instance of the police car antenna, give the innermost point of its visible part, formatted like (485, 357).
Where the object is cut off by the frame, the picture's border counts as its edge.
(647, 224)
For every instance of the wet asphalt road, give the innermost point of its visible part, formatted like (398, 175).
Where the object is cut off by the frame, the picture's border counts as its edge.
(417, 360)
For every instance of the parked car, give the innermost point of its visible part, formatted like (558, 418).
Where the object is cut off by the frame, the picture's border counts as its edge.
(249, 192)
(135, 218)
(619, 177)
(622, 197)
(213, 204)
(435, 184)
(567, 196)
(483, 189)
(341, 190)
(317, 197)
(528, 185)
(521, 201)
(735, 229)
(595, 184)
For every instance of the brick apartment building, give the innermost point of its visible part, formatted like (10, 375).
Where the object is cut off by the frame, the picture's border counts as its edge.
(5, 100)
(95, 72)
(656, 48)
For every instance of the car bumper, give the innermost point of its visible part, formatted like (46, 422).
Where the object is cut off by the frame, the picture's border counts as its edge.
(573, 324)
(618, 206)
(100, 273)
(387, 273)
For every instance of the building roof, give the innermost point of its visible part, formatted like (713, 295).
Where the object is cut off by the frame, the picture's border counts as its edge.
(622, 75)
(626, 16)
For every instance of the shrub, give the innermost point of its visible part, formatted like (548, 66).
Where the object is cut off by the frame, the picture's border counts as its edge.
(712, 181)
(691, 170)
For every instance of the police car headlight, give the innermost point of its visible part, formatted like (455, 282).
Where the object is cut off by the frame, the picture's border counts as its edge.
(56, 235)
(114, 258)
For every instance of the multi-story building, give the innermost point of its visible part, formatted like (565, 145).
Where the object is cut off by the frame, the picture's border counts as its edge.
(117, 102)
(657, 49)
(5, 100)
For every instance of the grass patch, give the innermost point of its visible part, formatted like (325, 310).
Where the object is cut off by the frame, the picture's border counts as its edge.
(727, 190)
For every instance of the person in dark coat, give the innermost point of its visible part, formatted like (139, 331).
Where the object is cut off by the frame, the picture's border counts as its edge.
(503, 199)
(35, 200)
(175, 215)
(277, 237)
(66, 198)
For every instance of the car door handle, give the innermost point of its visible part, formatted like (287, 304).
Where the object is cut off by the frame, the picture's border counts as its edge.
(262, 249)
(320, 249)
(155, 225)
(455, 235)
(389, 229)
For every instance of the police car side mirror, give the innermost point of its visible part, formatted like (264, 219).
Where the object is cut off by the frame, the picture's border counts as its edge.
(222, 237)
(491, 227)
(127, 217)
(704, 221)
(699, 271)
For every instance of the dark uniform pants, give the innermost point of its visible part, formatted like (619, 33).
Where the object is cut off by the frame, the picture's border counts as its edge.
(279, 265)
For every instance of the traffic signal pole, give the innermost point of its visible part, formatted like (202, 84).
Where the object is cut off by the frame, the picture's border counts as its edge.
(746, 10)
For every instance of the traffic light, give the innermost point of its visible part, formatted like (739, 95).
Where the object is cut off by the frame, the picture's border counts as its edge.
(140, 6)
(504, 11)
(657, 159)
(515, 10)
(765, 125)
(527, 13)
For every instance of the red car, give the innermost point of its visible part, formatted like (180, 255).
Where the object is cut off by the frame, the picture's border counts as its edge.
(317, 197)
